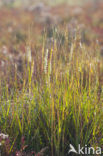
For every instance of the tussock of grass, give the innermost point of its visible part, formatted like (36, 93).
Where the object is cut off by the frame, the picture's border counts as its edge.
(57, 101)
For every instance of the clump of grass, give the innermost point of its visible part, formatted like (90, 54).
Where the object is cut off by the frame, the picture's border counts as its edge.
(59, 102)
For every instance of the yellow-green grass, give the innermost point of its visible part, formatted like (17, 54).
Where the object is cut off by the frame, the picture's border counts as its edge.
(61, 103)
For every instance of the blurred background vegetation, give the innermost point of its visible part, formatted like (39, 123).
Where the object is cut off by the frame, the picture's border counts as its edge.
(17, 3)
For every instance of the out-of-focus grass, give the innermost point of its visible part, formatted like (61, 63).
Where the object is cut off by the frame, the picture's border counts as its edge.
(70, 2)
(26, 3)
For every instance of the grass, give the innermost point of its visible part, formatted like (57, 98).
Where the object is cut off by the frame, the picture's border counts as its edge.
(20, 3)
(56, 100)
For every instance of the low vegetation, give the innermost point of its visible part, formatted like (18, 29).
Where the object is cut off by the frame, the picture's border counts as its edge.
(52, 94)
